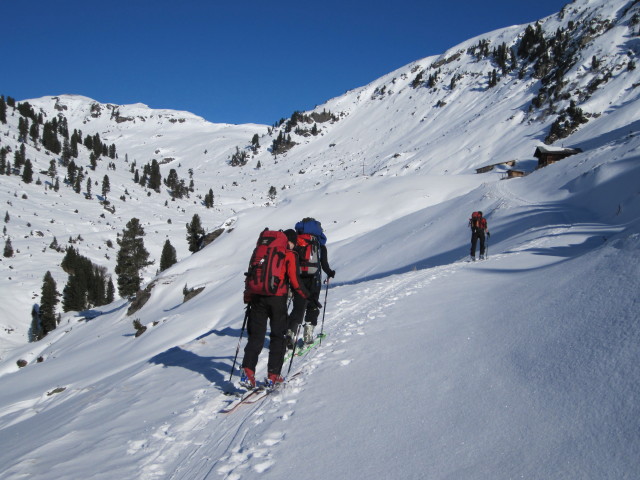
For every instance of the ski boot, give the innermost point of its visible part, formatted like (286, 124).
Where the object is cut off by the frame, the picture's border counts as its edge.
(248, 378)
(308, 333)
(290, 339)
(273, 380)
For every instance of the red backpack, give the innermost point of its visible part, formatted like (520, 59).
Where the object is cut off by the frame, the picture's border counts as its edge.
(308, 249)
(267, 265)
(478, 221)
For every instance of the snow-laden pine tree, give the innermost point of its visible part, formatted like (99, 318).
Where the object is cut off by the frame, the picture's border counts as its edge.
(168, 256)
(132, 257)
(48, 301)
(195, 233)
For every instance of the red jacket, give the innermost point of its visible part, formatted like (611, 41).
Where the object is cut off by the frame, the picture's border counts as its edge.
(292, 276)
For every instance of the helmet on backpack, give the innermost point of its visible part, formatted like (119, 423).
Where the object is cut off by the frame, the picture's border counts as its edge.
(310, 239)
(313, 227)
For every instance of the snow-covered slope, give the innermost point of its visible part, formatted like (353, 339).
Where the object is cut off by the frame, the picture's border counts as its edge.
(525, 365)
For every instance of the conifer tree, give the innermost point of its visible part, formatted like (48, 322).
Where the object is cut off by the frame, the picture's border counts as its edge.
(493, 78)
(255, 143)
(208, 199)
(106, 186)
(172, 179)
(195, 233)
(23, 129)
(74, 294)
(155, 178)
(52, 172)
(75, 139)
(132, 257)
(110, 291)
(3, 159)
(27, 172)
(93, 161)
(71, 172)
(34, 132)
(35, 331)
(3, 110)
(8, 248)
(168, 257)
(48, 302)
(77, 186)
(20, 156)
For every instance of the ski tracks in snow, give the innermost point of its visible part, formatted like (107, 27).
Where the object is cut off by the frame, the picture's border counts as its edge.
(173, 443)
(203, 443)
(262, 427)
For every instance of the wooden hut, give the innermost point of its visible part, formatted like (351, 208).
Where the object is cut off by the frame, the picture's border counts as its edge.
(547, 155)
(488, 168)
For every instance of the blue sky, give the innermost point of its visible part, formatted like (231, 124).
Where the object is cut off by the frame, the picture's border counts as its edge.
(242, 61)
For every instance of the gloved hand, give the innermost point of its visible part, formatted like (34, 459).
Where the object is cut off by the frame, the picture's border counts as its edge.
(331, 274)
(488, 234)
(247, 297)
(316, 303)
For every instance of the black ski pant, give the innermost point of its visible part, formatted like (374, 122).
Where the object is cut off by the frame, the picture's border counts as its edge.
(476, 235)
(304, 309)
(263, 309)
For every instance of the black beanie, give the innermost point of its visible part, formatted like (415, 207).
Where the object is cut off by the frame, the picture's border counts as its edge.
(292, 236)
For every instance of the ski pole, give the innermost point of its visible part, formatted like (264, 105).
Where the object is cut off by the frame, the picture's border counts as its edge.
(295, 344)
(244, 324)
(486, 247)
(324, 309)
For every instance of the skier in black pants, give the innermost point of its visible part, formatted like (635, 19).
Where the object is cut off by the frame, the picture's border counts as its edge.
(272, 309)
(311, 277)
(479, 229)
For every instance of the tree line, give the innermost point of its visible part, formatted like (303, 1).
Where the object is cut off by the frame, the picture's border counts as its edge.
(89, 285)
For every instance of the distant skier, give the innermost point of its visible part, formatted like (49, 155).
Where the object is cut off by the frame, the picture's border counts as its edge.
(312, 250)
(478, 225)
(273, 268)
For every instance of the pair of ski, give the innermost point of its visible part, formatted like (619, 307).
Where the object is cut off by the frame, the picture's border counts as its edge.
(254, 395)
(249, 397)
(305, 348)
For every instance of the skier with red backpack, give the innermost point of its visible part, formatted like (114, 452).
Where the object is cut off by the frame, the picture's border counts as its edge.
(311, 247)
(272, 270)
(478, 225)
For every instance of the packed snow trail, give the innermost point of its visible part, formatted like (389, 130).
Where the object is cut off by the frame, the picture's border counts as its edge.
(203, 441)
(475, 380)
(253, 434)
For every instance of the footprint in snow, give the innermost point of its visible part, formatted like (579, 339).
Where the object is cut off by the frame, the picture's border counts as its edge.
(273, 438)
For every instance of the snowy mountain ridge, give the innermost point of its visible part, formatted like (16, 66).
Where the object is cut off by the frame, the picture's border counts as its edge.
(525, 365)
